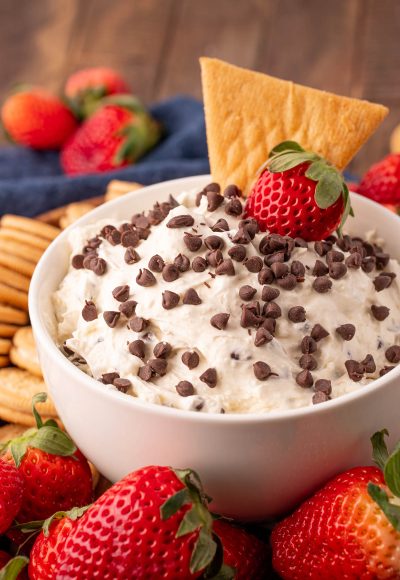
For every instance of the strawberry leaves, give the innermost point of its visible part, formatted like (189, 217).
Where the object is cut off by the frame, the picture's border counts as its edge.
(13, 567)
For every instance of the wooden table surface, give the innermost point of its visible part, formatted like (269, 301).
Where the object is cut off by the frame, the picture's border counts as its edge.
(348, 46)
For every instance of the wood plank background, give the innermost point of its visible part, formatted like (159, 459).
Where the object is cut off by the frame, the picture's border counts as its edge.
(347, 46)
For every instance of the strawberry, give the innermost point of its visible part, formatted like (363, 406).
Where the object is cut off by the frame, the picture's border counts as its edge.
(299, 194)
(350, 529)
(117, 134)
(382, 181)
(4, 558)
(35, 118)
(56, 475)
(11, 492)
(85, 88)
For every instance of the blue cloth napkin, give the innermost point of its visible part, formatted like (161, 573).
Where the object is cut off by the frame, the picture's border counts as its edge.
(32, 182)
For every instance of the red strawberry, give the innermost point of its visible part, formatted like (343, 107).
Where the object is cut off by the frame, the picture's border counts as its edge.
(299, 194)
(36, 118)
(11, 492)
(4, 558)
(382, 181)
(114, 136)
(349, 530)
(87, 87)
(56, 475)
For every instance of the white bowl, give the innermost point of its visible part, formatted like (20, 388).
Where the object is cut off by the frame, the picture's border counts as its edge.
(254, 466)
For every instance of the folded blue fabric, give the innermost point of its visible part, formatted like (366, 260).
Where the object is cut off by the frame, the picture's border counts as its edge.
(32, 182)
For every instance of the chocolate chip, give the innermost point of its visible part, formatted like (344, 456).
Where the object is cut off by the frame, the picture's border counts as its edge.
(269, 324)
(141, 221)
(111, 318)
(308, 345)
(88, 259)
(368, 264)
(298, 269)
(234, 207)
(237, 253)
(131, 256)
(305, 379)
(272, 310)
(323, 386)
(122, 384)
(249, 318)
(322, 248)
(346, 331)
(382, 260)
(382, 282)
(250, 225)
(344, 243)
(318, 332)
(145, 278)
(162, 350)
(247, 292)
(106, 230)
(319, 397)
(192, 242)
(209, 377)
(322, 284)
(128, 308)
(214, 257)
(114, 238)
(297, 314)
(337, 270)
(334, 256)
(121, 293)
(220, 320)
(220, 226)
(89, 311)
(354, 261)
(129, 239)
(369, 364)
(242, 236)
(137, 348)
(262, 371)
(182, 262)
(393, 354)
(98, 266)
(156, 263)
(266, 276)
(214, 243)
(191, 297)
(180, 221)
(145, 373)
(170, 300)
(308, 362)
(253, 264)
(191, 359)
(199, 264)
(288, 282)
(269, 293)
(262, 337)
(226, 267)
(300, 243)
(274, 258)
(77, 261)
(109, 378)
(355, 370)
(170, 273)
(184, 389)
(232, 191)
(385, 370)
(320, 269)
(158, 366)
(380, 312)
(212, 187)
(214, 200)
(138, 324)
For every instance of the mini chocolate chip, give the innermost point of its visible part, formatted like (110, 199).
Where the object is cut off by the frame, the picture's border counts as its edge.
(145, 373)
(111, 318)
(247, 292)
(355, 370)
(162, 350)
(276, 257)
(272, 310)
(170, 299)
(234, 207)
(209, 377)
(212, 187)
(121, 293)
(237, 253)
(220, 226)
(368, 264)
(279, 269)
(382, 260)
(382, 282)
(297, 314)
(77, 261)
(220, 320)
(323, 386)
(129, 239)
(269, 293)
(308, 345)
(180, 221)
(232, 191)
(253, 264)
(199, 264)
(318, 332)
(94, 243)
(262, 337)
(320, 269)
(158, 366)
(380, 312)
(141, 221)
(385, 370)
(182, 262)
(249, 318)
(266, 276)
(300, 243)
(322, 284)
(337, 270)
(89, 311)
(262, 371)
(145, 278)
(214, 257)
(138, 324)
(109, 378)
(305, 379)
(131, 256)
(344, 243)
(322, 248)
(346, 331)
(269, 324)
(156, 263)
(226, 267)
(88, 259)
(319, 397)
(185, 388)
(242, 236)
(106, 230)
(369, 364)
(214, 243)
(191, 297)
(308, 361)
(214, 200)
(354, 261)
(191, 359)
(250, 225)
(114, 238)
(137, 348)
(122, 384)
(334, 256)
(393, 354)
(192, 242)
(170, 273)
(288, 282)
(128, 308)
(298, 269)
(98, 266)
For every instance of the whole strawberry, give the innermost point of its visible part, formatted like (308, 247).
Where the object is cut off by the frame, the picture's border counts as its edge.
(85, 88)
(299, 194)
(116, 135)
(350, 529)
(55, 473)
(11, 492)
(382, 181)
(35, 118)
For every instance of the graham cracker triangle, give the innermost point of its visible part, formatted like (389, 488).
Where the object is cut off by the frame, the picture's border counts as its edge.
(248, 113)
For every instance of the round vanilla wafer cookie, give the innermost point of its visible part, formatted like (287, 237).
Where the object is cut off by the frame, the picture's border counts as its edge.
(16, 264)
(13, 297)
(21, 250)
(11, 315)
(24, 238)
(73, 212)
(23, 353)
(13, 279)
(7, 330)
(11, 431)
(17, 387)
(29, 225)
(5, 346)
(4, 361)
(26, 419)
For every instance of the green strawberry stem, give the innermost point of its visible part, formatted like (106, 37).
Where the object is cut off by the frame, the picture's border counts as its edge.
(13, 567)
(38, 525)
(330, 182)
